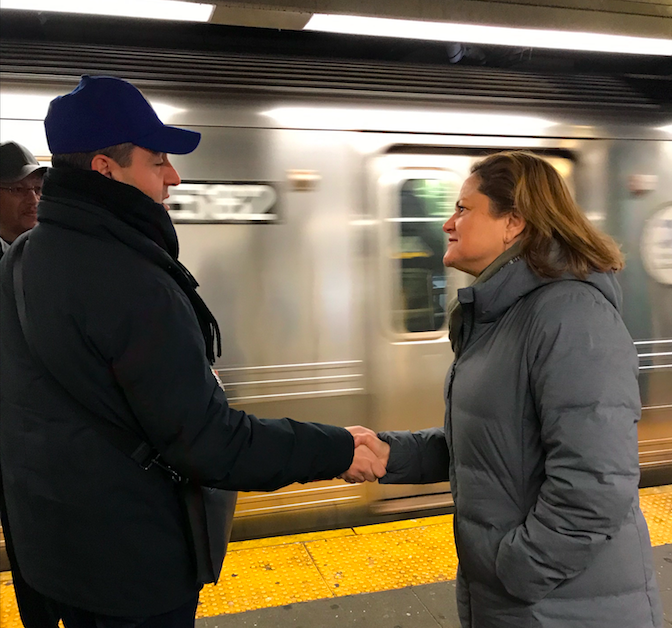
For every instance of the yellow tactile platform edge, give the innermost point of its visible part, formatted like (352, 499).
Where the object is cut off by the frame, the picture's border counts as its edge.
(299, 568)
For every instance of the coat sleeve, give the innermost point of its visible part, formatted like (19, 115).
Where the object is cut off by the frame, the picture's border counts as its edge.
(157, 358)
(583, 379)
(416, 457)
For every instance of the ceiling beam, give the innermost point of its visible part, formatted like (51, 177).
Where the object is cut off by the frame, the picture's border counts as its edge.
(644, 18)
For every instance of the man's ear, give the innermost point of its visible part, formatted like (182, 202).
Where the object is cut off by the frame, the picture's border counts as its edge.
(515, 225)
(103, 164)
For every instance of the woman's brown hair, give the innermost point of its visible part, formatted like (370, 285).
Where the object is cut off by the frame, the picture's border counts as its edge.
(557, 238)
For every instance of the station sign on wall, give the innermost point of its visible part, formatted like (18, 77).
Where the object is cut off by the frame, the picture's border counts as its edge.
(223, 202)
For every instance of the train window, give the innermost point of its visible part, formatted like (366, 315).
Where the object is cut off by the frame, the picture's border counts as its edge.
(195, 202)
(424, 205)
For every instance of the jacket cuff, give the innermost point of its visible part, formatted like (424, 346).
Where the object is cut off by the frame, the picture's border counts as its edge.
(341, 451)
(400, 462)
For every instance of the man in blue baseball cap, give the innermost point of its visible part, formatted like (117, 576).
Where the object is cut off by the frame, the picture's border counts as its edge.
(106, 125)
(113, 423)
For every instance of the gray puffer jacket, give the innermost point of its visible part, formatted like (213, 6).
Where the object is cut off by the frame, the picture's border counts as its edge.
(540, 446)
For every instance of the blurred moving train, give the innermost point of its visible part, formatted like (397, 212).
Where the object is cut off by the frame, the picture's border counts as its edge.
(311, 215)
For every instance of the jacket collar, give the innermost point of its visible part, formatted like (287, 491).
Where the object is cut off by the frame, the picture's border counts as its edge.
(502, 284)
(120, 202)
(88, 202)
(514, 280)
(466, 297)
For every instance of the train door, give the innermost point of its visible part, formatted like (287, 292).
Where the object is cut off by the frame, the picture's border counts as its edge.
(409, 348)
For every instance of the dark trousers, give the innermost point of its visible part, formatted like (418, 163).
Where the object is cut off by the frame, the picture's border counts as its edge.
(182, 617)
(35, 610)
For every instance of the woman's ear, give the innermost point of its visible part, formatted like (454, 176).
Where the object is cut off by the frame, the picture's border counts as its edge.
(515, 225)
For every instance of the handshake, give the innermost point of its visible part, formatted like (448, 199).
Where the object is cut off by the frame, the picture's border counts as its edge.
(371, 455)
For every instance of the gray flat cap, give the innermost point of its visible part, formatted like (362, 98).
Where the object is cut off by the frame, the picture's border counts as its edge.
(17, 162)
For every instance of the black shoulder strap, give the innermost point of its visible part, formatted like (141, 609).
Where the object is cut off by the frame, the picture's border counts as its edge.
(125, 440)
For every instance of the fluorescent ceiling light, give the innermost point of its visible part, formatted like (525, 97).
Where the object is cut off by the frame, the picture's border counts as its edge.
(343, 119)
(25, 106)
(476, 34)
(667, 128)
(17, 106)
(30, 133)
(164, 111)
(153, 9)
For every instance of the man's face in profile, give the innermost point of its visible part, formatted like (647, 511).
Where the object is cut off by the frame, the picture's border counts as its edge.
(150, 172)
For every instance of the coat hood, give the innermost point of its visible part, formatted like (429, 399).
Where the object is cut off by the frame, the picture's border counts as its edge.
(515, 280)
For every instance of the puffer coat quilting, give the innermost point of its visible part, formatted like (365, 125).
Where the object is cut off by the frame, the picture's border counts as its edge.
(540, 446)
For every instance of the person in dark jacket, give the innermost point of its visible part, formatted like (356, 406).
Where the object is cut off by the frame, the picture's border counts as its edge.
(102, 325)
(20, 189)
(540, 435)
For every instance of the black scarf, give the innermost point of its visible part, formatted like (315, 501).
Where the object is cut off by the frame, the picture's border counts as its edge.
(131, 217)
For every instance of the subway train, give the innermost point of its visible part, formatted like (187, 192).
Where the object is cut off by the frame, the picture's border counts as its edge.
(312, 213)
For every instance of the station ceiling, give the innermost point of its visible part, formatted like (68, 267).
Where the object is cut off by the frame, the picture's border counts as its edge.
(643, 18)
(277, 32)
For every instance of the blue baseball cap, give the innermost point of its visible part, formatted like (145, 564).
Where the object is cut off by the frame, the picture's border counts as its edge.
(105, 111)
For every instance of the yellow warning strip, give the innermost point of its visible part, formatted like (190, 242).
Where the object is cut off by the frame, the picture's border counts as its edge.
(656, 504)
(655, 490)
(404, 525)
(286, 540)
(303, 567)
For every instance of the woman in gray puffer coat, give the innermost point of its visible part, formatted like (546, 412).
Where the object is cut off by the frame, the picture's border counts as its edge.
(542, 404)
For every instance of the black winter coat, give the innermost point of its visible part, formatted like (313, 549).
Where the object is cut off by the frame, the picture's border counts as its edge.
(91, 528)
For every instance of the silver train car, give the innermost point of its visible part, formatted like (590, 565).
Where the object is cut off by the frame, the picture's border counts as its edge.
(311, 215)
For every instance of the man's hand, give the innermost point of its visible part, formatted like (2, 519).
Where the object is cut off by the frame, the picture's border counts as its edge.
(365, 436)
(365, 467)
(371, 456)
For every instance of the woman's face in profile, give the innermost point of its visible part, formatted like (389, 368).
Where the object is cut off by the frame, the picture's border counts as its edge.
(475, 237)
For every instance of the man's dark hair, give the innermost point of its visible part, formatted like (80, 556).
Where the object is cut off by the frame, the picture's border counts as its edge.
(121, 153)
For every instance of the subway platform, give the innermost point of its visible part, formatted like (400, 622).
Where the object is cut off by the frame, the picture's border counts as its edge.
(392, 575)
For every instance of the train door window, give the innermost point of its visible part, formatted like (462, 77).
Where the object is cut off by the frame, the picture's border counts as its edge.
(421, 288)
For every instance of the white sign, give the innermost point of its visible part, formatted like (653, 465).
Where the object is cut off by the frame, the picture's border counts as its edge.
(223, 203)
(656, 245)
